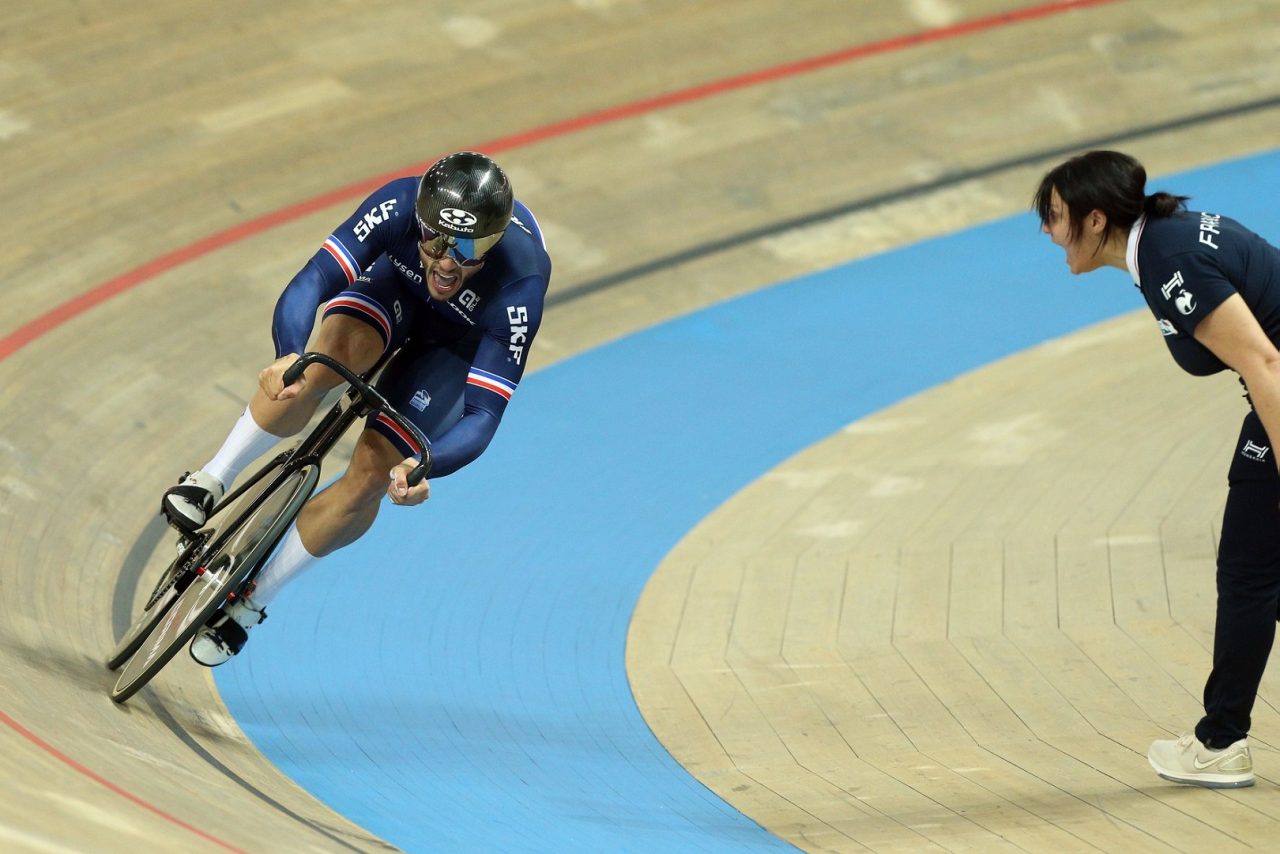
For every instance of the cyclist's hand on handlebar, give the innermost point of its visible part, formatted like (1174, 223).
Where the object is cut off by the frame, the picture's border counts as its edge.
(271, 379)
(399, 490)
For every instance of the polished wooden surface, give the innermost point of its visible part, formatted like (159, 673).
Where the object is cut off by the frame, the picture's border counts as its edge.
(869, 668)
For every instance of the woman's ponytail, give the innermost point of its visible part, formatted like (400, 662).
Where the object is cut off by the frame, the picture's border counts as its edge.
(1160, 205)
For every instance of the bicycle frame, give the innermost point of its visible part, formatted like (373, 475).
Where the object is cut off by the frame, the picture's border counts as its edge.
(251, 532)
(360, 399)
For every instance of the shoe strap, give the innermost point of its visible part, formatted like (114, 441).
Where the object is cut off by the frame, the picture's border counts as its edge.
(192, 494)
(232, 635)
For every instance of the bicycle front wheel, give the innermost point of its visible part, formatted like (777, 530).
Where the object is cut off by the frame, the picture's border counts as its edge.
(241, 546)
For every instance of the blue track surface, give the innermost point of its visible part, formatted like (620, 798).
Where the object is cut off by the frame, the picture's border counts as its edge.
(456, 680)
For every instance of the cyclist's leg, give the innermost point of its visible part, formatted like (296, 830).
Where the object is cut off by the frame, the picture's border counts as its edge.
(337, 516)
(357, 327)
(265, 422)
(341, 514)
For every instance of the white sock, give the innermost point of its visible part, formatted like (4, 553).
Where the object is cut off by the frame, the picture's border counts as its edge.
(289, 561)
(245, 443)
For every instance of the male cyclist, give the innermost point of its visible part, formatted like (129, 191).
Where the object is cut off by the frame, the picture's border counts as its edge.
(448, 261)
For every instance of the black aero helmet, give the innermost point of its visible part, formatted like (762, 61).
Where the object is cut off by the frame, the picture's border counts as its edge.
(463, 206)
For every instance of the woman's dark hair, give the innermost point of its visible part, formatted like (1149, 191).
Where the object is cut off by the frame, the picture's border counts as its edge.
(1106, 181)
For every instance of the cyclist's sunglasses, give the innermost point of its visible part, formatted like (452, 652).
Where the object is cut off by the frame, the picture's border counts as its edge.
(466, 252)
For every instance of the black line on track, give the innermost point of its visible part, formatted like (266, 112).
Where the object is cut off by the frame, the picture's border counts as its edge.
(741, 238)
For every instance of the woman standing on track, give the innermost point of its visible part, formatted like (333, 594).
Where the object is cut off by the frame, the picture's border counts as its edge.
(1214, 288)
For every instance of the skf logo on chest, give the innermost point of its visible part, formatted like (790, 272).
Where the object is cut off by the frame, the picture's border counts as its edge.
(518, 317)
(376, 216)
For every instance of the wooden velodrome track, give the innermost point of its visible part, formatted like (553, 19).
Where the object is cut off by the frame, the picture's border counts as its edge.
(931, 711)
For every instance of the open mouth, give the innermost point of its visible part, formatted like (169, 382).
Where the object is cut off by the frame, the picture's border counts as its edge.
(445, 283)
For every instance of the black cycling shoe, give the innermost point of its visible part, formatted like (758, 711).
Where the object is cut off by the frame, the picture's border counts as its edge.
(227, 633)
(189, 504)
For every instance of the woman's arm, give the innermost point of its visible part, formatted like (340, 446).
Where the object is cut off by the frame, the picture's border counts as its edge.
(1234, 335)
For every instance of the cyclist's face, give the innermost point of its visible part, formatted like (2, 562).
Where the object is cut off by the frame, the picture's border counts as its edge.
(444, 276)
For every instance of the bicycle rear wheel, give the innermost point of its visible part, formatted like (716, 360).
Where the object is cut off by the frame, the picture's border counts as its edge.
(235, 555)
(173, 581)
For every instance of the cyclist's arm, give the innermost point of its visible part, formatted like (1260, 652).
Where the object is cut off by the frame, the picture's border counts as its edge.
(295, 313)
(350, 249)
(495, 373)
(465, 441)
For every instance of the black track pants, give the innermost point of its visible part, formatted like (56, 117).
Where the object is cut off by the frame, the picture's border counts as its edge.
(1248, 589)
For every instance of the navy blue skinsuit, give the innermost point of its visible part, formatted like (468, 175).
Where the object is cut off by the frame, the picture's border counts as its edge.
(465, 355)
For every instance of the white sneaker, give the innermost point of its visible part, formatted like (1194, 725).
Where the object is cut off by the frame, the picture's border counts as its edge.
(1186, 760)
(226, 634)
(188, 504)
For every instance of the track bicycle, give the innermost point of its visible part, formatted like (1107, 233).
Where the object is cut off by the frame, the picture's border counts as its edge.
(219, 562)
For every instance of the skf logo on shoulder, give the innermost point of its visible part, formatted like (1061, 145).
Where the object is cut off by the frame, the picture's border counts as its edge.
(518, 317)
(1257, 453)
(1185, 302)
(376, 216)
(1167, 329)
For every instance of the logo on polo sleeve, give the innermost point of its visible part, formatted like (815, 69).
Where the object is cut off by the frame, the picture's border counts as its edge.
(1184, 301)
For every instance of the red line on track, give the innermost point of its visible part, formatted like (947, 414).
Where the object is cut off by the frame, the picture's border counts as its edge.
(102, 781)
(55, 317)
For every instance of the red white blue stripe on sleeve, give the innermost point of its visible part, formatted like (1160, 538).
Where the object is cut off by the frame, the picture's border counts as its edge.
(408, 440)
(344, 258)
(362, 307)
(494, 383)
